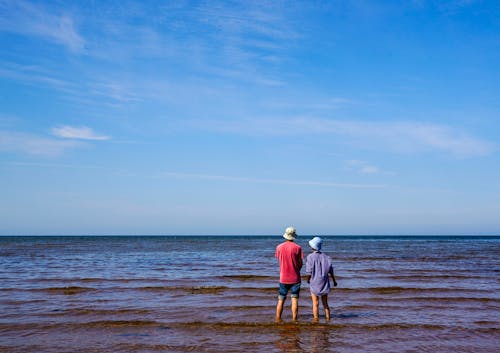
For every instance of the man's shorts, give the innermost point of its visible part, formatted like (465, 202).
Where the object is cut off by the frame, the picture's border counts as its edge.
(293, 288)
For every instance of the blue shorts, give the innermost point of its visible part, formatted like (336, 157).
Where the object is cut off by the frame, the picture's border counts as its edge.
(293, 288)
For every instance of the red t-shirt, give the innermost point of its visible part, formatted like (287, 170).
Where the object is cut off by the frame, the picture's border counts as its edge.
(290, 257)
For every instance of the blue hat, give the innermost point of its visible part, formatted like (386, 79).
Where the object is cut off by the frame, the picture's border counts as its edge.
(316, 243)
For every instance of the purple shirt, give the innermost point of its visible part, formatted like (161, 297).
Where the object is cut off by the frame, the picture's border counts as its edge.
(318, 265)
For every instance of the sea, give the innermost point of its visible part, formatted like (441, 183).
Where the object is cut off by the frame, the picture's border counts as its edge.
(219, 294)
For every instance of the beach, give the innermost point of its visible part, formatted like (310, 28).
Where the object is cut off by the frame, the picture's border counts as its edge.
(218, 294)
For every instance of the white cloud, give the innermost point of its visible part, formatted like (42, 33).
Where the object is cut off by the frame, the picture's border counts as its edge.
(362, 167)
(82, 133)
(369, 169)
(28, 19)
(33, 144)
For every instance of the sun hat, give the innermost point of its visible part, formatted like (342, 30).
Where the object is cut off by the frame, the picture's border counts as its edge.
(290, 233)
(316, 243)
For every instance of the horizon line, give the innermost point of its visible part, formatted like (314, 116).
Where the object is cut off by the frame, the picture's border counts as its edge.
(247, 235)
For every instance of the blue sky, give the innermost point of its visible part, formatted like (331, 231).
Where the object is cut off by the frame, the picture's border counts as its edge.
(218, 117)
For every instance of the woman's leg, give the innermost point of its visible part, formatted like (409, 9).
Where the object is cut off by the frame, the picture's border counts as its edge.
(324, 299)
(315, 302)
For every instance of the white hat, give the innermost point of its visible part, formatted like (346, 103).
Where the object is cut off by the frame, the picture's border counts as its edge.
(290, 233)
(316, 243)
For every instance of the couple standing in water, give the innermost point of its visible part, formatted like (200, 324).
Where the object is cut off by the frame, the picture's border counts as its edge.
(318, 268)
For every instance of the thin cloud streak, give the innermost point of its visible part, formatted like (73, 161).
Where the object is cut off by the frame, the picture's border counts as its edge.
(238, 41)
(397, 135)
(27, 19)
(91, 91)
(32, 75)
(269, 181)
(114, 91)
(55, 165)
(178, 175)
(34, 145)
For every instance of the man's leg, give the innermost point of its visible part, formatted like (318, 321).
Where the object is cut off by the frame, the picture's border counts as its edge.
(315, 303)
(279, 309)
(324, 299)
(295, 308)
(295, 291)
(282, 292)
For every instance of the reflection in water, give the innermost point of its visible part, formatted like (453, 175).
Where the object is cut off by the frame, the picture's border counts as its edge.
(313, 338)
(319, 339)
(288, 338)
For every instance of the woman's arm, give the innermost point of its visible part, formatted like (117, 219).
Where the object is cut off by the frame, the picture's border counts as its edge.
(333, 277)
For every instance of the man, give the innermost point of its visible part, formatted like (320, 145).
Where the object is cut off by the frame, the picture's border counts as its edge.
(289, 255)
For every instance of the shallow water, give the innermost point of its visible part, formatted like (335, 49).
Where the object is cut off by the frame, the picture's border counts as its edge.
(218, 294)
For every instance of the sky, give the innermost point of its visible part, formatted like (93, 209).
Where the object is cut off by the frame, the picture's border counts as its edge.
(245, 117)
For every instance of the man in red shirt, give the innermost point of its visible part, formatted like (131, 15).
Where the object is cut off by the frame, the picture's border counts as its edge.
(289, 255)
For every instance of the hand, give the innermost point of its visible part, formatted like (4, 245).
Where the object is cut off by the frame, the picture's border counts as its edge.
(334, 284)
